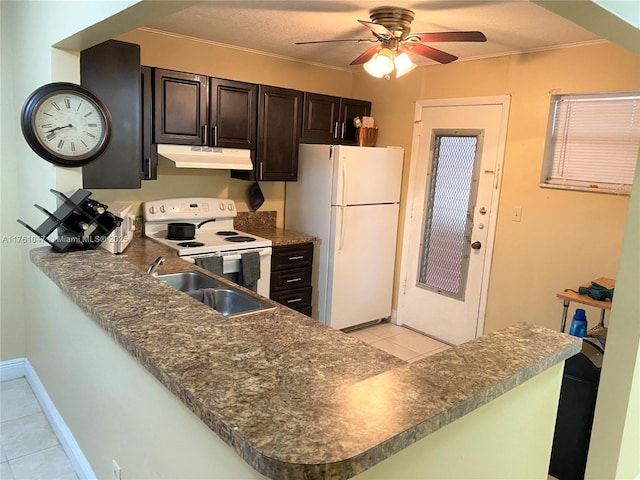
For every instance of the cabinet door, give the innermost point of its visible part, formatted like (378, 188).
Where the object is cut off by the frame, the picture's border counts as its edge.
(349, 109)
(111, 70)
(180, 107)
(320, 118)
(233, 114)
(149, 148)
(279, 116)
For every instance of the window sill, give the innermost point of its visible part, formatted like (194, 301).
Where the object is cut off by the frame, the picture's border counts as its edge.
(621, 191)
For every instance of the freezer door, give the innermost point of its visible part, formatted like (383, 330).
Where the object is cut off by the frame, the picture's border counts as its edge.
(362, 253)
(366, 175)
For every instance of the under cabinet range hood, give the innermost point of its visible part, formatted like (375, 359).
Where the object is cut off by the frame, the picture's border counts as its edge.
(189, 156)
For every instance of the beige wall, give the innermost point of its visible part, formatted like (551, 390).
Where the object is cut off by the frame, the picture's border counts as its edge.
(565, 238)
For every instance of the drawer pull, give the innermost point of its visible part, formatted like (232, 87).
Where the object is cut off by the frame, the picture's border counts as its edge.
(299, 257)
(291, 280)
(294, 300)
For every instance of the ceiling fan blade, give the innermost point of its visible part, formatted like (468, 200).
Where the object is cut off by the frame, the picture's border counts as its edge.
(429, 52)
(366, 56)
(332, 41)
(451, 37)
(377, 29)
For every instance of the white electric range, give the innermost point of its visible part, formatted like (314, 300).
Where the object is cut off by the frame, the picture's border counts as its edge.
(214, 234)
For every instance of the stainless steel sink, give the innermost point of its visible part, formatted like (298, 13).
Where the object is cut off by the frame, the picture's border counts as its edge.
(189, 281)
(222, 298)
(231, 302)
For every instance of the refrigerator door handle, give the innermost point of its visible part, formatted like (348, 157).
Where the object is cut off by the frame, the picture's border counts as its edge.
(341, 244)
(343, 172)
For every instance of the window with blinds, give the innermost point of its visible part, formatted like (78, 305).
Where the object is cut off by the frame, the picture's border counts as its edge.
(593, 142)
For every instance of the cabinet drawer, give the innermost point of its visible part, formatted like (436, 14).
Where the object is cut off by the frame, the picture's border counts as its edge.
(292, 256)
(296, 299)
(291, 279)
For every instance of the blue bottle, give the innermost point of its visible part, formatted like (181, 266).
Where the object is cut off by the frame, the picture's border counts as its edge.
(578, 324)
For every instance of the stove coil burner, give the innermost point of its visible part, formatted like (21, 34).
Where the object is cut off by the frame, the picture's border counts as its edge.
(191, 244)
(240, 238)
(226, 233)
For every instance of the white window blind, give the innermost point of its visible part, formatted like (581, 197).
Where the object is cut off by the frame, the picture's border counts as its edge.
(593, 141)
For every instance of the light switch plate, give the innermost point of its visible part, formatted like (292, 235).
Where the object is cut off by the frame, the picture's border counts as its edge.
(516, 216)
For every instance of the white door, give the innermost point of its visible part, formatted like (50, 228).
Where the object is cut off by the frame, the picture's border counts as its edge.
(450, 218)
(362, 254)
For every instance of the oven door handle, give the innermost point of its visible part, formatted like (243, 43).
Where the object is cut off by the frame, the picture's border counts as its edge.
(234, 256)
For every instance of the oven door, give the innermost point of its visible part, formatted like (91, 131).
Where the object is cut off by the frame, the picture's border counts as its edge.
(231, 265)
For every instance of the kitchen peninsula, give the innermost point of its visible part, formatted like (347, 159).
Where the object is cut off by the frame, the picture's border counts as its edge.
(292, 397)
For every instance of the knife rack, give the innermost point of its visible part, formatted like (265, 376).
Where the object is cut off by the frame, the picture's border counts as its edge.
(76, 226)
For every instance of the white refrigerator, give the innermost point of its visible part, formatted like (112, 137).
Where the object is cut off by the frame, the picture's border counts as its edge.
(348, 197)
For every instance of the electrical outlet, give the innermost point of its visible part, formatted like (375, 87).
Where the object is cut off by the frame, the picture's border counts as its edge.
(116, 474)
(517, 214)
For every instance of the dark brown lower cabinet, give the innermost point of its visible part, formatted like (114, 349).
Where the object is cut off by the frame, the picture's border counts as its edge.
(291, 271)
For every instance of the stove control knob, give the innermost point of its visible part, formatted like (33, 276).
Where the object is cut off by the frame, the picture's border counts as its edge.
(163, 208)
(230, 207)
(221, 206)
(152, 210)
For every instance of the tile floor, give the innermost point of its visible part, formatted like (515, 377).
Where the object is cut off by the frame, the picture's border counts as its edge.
(399, 341)
(29, 448)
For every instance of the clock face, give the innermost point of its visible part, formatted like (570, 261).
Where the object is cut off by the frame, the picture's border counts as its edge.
(65, 124)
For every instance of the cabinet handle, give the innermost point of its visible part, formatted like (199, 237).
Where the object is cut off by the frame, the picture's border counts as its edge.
(147, 172)
(335, 130)
(215, 135)
(292, 280)
(260, 177)
(294, 300)
(344, 125)
(299, 257)
(205, 134)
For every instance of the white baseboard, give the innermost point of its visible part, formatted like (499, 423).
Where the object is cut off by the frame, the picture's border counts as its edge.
(12, 369)
(21, 367)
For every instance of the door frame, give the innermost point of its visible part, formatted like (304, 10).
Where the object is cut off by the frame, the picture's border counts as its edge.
(502, 100)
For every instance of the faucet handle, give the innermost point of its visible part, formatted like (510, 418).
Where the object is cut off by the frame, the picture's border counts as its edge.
(156, 263)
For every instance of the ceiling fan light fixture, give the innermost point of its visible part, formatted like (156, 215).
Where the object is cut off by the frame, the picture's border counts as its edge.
(381, 64)
(403, 64)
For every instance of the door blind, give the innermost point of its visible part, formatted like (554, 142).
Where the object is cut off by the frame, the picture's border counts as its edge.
(593, 141)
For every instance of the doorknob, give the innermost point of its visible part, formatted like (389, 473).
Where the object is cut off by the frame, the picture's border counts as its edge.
(476, 245)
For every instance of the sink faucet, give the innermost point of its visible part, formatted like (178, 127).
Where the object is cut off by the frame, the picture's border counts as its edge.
(156, 263)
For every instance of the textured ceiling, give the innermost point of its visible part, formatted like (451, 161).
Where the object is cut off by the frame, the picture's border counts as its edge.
(273, 27)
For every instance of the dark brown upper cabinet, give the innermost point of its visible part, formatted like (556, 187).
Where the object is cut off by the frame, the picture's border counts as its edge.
(350, 109)
(111, 70)
(233, 108)
(180, 107)
(149, 148)
(279, 117)
(328, 119)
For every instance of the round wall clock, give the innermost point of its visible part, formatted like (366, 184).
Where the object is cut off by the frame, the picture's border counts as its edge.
(65, 124)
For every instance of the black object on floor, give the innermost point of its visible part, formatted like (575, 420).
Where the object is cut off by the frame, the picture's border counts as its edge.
(575, 413)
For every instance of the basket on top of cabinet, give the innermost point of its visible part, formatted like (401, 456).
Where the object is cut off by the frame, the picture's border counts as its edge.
(291, 267)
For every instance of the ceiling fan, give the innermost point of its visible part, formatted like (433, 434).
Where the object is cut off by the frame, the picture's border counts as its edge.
(391, 27)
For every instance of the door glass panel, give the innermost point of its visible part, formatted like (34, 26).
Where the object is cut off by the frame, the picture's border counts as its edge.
(451, 193)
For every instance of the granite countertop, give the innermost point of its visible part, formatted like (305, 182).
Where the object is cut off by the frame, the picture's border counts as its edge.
(294, 398)
(281, 237)
(263, 224)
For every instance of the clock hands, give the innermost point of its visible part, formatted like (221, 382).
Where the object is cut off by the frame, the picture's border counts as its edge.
(58, 128)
